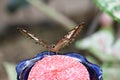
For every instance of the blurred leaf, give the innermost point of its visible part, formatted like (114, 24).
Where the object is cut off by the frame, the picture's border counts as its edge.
(111, 73)
(112, 7)
(10, 69)
(100, 44)
(100, 41)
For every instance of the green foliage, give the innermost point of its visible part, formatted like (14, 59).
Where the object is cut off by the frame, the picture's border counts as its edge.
(111, 73)
(10, 69)
(112, 7)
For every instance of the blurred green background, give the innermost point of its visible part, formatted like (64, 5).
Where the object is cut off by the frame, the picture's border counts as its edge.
(50, 20)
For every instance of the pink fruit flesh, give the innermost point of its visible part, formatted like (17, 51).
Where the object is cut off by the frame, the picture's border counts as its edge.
(58, 67)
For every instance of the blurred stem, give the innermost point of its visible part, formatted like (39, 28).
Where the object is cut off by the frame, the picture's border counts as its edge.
(93, 25)
(52, 13)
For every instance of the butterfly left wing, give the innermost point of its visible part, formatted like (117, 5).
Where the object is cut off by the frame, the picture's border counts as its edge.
(37, 40)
